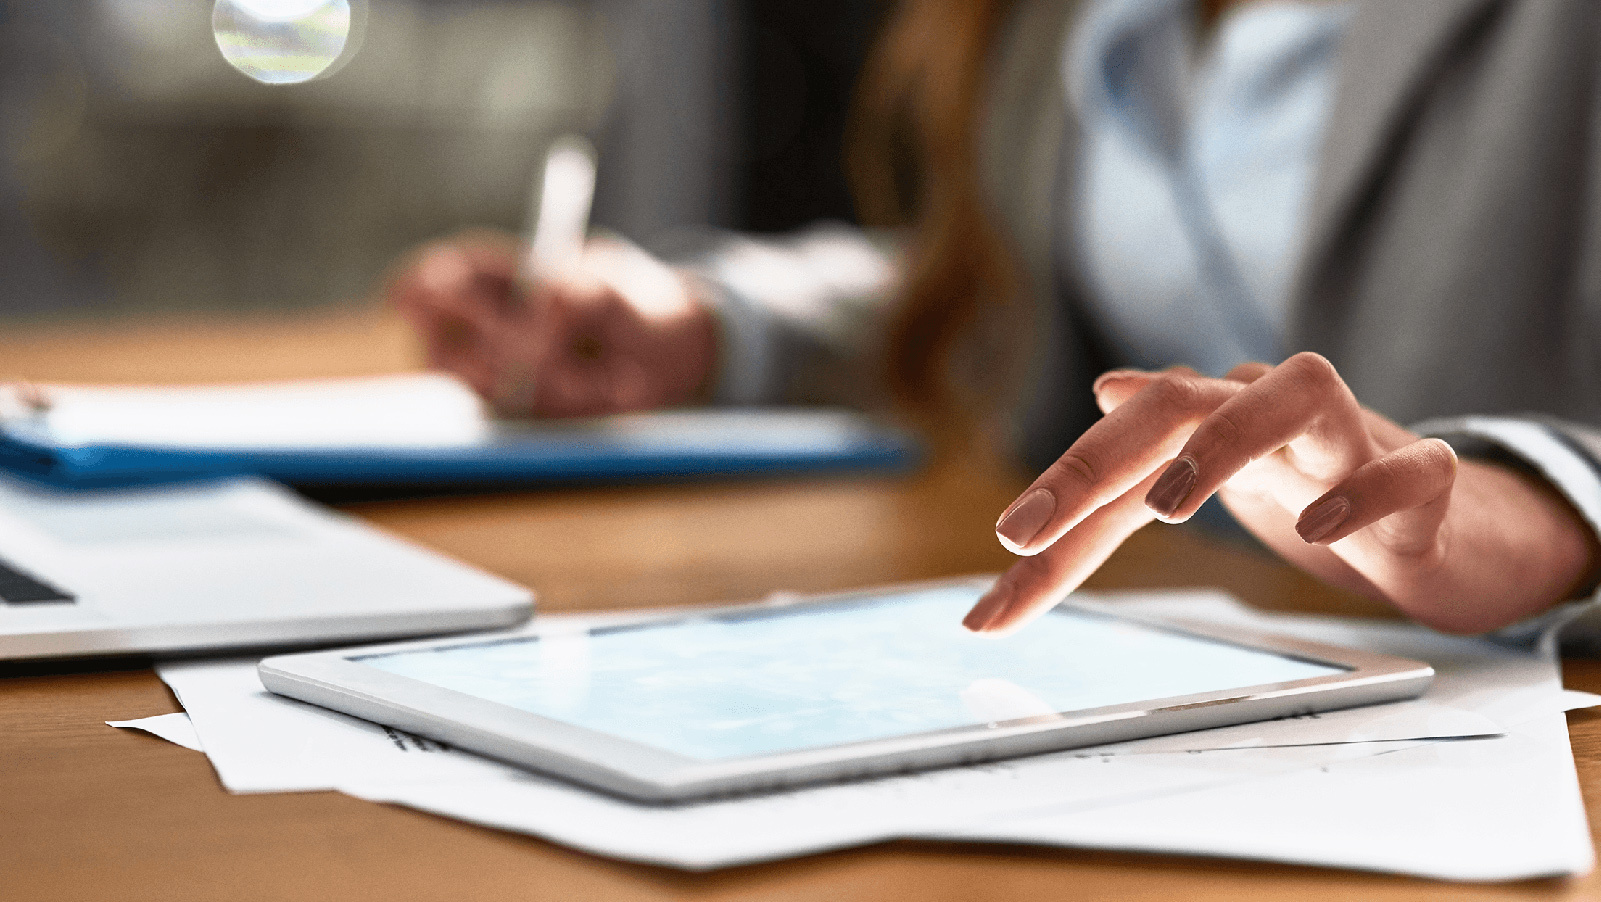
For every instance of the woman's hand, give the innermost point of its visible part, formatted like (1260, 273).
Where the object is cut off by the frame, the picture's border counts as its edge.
(618, 331)
(1335, 488)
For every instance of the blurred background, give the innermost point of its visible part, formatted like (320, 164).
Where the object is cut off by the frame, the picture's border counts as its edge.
(141, 175)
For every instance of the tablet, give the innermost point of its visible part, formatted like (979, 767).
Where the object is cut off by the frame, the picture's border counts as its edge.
(768, 695)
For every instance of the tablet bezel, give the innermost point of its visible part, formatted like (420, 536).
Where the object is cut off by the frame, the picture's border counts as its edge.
(332, 679)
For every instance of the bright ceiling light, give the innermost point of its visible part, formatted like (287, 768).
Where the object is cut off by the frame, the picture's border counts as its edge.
(280, 10)
(281, 42)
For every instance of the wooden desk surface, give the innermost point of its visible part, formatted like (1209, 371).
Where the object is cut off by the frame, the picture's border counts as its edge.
(89, 812)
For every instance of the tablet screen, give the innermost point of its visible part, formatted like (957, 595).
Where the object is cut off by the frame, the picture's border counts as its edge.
(775, 680)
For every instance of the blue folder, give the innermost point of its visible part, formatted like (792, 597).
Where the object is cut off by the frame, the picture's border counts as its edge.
(650, 448)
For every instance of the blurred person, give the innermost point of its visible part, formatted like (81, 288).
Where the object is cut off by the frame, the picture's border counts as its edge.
(1177, 249)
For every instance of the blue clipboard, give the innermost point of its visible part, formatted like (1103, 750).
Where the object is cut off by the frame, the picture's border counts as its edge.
(635, 448)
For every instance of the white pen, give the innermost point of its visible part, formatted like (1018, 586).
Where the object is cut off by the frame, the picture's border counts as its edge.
(559, 220)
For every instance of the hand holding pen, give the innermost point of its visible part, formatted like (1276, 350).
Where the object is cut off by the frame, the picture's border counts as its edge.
(558, 326)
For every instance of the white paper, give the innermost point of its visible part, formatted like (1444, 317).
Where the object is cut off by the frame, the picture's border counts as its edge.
(405, 411)
(260, 742)
(1507, 808)
(409, 410)
(383, 764)
(175, 728)
(947, 802)
(1242, 791)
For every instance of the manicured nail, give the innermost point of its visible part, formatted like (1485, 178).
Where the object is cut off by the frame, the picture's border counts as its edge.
(1172, 488)
(988, 610)
(1026, 518)
(1322, 518)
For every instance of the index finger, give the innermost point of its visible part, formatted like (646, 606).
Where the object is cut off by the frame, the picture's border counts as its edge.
(1119, 451)
(1035, 584)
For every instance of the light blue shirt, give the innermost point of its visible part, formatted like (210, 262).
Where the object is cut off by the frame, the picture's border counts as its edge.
(1197, 166)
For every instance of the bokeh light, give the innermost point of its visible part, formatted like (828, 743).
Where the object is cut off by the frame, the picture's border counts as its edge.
(281, 42)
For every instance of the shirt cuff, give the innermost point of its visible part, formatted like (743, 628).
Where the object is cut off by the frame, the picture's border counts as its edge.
(745, 339)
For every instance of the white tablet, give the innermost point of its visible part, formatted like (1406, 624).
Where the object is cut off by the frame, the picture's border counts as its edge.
(771, 695)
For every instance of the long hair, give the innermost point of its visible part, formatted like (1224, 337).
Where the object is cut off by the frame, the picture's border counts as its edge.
(913, 161)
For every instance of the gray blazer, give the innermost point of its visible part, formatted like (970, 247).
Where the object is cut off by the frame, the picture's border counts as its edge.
(1452, 263)
(1451, 268)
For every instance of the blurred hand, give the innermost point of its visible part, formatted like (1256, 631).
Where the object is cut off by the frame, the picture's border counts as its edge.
(618, 331)
(1338, 490)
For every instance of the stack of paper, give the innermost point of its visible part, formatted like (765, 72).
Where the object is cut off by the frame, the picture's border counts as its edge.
(1474, 781)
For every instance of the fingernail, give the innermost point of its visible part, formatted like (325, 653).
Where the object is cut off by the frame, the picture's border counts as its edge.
(1172, 488)
(1026, 518)
(988, 610)
(1322, 518)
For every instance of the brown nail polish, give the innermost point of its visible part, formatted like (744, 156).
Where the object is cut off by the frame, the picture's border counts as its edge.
(1322, 518)
(1026, 518)
(1173, 487)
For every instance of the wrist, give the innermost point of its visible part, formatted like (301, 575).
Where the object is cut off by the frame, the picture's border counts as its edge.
(1519, 546)
(694, 343)
(1569, 542)
(1529, 507)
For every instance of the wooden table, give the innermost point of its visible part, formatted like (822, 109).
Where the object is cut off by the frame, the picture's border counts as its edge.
(89, 812)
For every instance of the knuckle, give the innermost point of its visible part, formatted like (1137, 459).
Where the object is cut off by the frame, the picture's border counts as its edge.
(1380, 476)
(1077, 467)
(1314, 371)
(1221, 429)
(1423, 469)
(1174, 390)
(1031, 573)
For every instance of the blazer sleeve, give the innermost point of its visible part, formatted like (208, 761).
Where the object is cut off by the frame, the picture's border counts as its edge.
(802, 318)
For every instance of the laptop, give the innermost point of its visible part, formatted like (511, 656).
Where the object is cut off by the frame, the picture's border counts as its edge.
(238, 563)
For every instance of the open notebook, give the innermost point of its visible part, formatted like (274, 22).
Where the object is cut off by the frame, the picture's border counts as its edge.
(414, 430)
